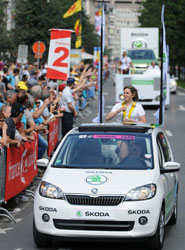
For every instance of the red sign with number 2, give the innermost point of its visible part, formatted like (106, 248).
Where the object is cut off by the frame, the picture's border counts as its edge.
(59, 54)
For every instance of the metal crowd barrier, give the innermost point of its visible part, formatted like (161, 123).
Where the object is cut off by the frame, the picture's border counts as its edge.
(3, 163)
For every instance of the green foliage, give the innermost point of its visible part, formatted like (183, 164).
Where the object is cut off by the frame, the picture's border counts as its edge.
(174, 23)
(34, 19)
(181, 83)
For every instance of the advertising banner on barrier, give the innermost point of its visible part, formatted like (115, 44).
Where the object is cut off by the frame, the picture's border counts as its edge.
(53, 136)
(59, 54)
(20, 167)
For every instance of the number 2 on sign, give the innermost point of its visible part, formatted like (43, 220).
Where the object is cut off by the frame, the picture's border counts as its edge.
(58, 62)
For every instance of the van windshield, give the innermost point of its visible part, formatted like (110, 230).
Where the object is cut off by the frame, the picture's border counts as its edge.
(105, 151)
(141, 54)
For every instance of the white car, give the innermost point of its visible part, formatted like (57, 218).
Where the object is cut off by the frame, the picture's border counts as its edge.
(173, 85)
(108, 181)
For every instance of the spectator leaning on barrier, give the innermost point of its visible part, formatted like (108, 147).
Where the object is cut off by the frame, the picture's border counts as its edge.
(25, 72)
(16, 116)
(2, 87)
(3, 129)
(10, 97)
(12, 78)
(22, 99)
(32, 126)
(43, 108)
(33, 79)
(69, 105)
(42, 130)
(37, 111)
(6, 111)
(5, 80)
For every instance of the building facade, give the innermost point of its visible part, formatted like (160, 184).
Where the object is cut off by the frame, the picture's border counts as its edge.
(119, 14)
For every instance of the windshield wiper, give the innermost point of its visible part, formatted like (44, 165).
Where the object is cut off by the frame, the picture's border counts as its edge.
(62, 166)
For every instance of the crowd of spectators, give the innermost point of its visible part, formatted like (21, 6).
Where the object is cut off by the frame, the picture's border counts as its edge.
(29, 101)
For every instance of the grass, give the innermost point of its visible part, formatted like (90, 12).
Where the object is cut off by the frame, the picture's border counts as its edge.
(181, 83)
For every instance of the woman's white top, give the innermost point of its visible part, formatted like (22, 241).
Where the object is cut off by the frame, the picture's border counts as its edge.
(136, 113)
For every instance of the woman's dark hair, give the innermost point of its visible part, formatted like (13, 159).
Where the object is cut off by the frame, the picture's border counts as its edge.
(133, 91)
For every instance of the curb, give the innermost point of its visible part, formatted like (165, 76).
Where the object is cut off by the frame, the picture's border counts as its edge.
(180, 88)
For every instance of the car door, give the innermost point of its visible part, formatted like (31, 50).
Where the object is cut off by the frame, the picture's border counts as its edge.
(169, 179)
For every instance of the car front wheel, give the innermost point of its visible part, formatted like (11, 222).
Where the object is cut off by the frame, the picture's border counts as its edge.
(156, 241)
(40, 239)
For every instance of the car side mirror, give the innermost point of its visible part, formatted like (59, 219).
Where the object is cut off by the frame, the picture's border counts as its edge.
(170, 166)
(42, 163)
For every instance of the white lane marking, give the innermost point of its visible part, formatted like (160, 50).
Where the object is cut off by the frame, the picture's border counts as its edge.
(181, 107)
(3, 231)
(105, 93)
(108, 107)
(19, 219)
(168, 132)
(18, 249)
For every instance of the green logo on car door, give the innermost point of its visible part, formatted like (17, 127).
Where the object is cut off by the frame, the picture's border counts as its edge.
(96, 179)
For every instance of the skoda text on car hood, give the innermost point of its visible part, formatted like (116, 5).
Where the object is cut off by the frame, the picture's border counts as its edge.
(114, 181)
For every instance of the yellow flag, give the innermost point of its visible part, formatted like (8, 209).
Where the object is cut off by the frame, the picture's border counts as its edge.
(78, 42)
(78, 27)
(76, 7)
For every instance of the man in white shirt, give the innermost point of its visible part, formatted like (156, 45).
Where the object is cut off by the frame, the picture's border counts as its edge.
(154, 66)
(69, 105)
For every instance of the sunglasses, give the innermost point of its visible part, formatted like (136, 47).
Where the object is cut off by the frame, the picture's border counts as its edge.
(2, 120)
(37, 102)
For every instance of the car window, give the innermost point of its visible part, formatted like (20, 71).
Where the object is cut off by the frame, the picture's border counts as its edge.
(160, 155)
(112, 151)
(164, 146)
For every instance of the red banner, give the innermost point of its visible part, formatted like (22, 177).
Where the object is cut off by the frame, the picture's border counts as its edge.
(53, 136)
(20, 167)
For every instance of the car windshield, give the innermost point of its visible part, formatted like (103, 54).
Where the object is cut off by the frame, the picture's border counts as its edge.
(141, 54)
(106, 151)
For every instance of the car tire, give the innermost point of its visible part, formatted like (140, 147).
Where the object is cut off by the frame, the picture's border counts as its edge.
(156, 242)
(173, 219)
(40, 239)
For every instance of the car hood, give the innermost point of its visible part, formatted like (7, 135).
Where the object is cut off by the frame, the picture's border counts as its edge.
(82, 181)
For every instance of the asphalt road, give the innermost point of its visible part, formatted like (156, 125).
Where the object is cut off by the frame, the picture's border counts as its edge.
(19, 236)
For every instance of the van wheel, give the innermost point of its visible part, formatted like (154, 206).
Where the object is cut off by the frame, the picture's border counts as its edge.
(173, 219)
(40, 239)
(156, 241)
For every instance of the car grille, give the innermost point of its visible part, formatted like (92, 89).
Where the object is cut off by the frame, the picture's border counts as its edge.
(94, 225)
(94, 201)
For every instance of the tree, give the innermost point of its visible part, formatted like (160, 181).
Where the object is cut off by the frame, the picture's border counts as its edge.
(34, 19)
(5, 37)
(150, 16)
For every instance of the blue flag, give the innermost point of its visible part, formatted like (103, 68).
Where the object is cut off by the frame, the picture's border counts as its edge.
(165, 71)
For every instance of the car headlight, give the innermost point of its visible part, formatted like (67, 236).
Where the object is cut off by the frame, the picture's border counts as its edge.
(141, 193)
(173, 83)
(157, 98)
(50, 191)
